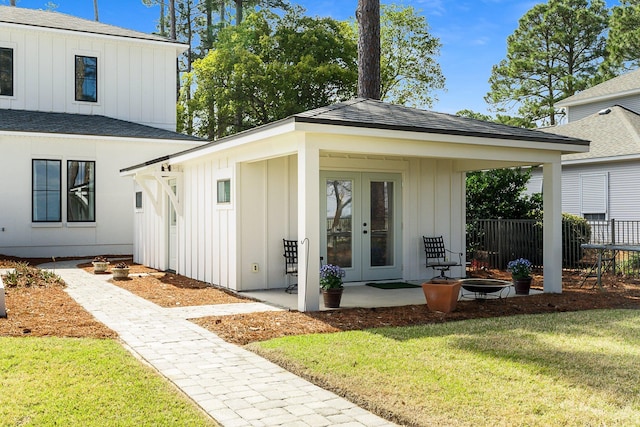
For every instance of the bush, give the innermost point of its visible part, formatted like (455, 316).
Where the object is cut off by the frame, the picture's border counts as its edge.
(575, 232)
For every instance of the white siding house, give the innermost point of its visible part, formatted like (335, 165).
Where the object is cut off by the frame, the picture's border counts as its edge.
(79, 100)
(602, 184)
(219, 212)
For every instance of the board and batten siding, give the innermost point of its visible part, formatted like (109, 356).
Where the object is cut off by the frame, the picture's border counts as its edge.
(129, 74)
(577, 112)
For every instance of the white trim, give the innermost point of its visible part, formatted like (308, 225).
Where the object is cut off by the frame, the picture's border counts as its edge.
(180, 47)
(602, 159)
(81, 224)
(99, 137)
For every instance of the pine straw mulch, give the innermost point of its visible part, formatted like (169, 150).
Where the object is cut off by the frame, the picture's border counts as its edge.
(45, 311)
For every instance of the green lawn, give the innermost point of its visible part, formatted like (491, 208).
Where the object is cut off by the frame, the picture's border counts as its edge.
(575, 369)
(85, 382)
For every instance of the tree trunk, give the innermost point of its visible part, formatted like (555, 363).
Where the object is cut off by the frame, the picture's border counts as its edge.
(172, 19)
(238, 12)
(13, 2)
(368, 16)
(162, 27)
(95, 10)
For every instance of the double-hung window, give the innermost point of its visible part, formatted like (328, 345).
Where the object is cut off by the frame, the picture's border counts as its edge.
(6, 71)
(594, 195)
(46, 185)
(81, 191)
(86, 78)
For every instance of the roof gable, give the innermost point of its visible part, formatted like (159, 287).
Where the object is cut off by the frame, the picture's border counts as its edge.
(613, 132)
(625, 84)
(82, 124)
(60, 21)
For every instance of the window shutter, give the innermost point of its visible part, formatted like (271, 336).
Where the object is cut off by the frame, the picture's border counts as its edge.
(594, 194)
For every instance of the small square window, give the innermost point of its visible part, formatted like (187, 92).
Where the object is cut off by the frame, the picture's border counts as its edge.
(224, 191)
(6, 71)
(86, 78)
(138, 199)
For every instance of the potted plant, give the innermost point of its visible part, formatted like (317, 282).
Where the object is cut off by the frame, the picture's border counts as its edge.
(100, 264)
(520, 270)
(120, 271)
(441, 294)
(331, 285)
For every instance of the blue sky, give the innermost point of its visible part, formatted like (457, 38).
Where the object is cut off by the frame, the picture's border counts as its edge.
(473, 34)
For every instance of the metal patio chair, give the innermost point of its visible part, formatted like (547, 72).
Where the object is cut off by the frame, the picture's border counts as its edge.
(437, 255)
(290, 263)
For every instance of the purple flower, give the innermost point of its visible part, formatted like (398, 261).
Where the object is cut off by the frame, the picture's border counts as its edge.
(331, 276)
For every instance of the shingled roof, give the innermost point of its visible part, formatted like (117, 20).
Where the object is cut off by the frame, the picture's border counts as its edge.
(370, 113)
(60, 21)
(82, 124)
(613, 132)
(625, 84)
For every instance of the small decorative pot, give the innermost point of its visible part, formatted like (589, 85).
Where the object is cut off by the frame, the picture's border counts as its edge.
(441, 295)
(332, 297)
(100, 266)
(120, 273)
(522, 286)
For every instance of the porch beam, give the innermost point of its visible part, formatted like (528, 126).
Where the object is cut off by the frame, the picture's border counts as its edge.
(552, 220)
(308, 226)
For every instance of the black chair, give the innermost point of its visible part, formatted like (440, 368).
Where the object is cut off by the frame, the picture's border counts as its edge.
(290, 263)
(437, 255)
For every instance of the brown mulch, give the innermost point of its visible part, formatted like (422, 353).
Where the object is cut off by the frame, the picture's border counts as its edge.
(50, 311)
(168, 289)
(42, 308)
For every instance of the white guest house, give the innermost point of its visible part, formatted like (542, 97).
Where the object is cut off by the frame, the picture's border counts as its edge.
(357, 184)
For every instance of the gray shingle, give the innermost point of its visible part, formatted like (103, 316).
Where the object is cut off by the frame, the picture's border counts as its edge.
(613, 133)
(81, 124)
(628, 82)
(380, 115)
(60, 21)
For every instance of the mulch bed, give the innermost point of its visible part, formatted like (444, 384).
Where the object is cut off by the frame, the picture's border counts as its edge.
(50, 311)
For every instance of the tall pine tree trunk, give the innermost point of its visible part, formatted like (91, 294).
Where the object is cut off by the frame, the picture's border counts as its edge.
(238, 12)
(368, 16)
(95, 9)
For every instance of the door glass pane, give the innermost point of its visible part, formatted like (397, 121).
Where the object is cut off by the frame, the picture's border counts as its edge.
(381, 224)
(339, 224)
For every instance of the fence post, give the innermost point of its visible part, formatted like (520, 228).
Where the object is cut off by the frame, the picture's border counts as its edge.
(613, 242)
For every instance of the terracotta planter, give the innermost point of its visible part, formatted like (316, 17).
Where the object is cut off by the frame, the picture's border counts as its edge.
(100, 267)
(332, 297)
(441, 295)
(120, 273)
(522, 286)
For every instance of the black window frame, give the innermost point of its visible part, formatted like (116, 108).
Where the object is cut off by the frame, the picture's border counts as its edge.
(6, 71)
(80, 78)
(70, 215)
(138, 200)
(35, 191)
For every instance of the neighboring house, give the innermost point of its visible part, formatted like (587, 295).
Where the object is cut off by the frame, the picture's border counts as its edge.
(602, 184)
(356, 184)
(79, 100)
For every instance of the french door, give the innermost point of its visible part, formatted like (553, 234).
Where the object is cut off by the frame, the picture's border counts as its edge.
(361, 224)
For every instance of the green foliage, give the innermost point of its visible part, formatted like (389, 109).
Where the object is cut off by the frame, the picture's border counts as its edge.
(500, 118)
(498, 193)
(409, 72)
(623, 44)
(555, 51)
(24, 275)
(576, 231)
(272, 66)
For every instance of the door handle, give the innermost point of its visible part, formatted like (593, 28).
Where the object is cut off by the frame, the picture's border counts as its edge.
(364, 231)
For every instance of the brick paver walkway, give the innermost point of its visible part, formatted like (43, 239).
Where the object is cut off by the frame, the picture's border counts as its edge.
(236, 387)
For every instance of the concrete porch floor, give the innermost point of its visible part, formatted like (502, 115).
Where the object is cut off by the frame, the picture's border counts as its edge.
(357, 294)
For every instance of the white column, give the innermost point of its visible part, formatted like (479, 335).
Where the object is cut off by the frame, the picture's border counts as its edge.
(308, 226)
(552, 246)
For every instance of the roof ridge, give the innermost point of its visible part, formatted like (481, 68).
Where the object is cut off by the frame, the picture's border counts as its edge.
(628, 125)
